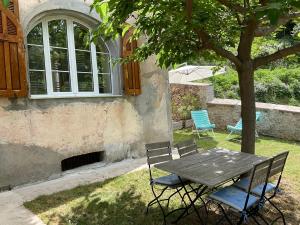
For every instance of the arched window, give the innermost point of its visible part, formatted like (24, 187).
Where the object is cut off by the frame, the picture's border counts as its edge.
(61, 63)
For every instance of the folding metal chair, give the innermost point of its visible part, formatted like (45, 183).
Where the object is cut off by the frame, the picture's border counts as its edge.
(244, 202)
(159, 153)
(277, 168)
(186, 148)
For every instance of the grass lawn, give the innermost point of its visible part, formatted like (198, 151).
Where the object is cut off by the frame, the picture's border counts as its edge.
(122, 200)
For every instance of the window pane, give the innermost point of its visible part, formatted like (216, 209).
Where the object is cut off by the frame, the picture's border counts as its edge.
(85, 82)
(36, 57)
(58, 33)
(103, 63)
(83, 61)
(36, 35)
(104, 83)
(81, 36)
(38, 82)
(59, 59)
(61, 82)
(100, 46)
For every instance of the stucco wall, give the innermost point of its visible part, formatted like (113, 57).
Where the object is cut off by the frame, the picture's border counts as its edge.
(280, 121)
(35, 135)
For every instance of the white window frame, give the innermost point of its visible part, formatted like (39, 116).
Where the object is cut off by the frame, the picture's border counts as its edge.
(72, 62)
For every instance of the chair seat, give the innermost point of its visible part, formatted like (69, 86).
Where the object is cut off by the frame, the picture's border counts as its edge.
(211, 126)
(234, 198)
(234, 129)
(169, 180)
(244, 183)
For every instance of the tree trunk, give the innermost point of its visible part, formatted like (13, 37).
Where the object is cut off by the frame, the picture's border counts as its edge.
(246, 81)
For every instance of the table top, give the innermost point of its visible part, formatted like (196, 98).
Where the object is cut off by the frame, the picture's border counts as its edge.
(213, 167)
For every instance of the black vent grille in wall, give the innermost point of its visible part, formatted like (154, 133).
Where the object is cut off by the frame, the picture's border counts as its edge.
(81, 160)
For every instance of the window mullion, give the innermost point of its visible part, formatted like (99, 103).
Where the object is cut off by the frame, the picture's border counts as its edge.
(95, 68)
(72, 56)
(47, 58)
(112, 82)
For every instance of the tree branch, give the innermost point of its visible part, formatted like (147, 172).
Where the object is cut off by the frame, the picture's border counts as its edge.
(264, 60)
(189, 9)
(265, 30)
(208, 44)
(263, 2)
(233, 6)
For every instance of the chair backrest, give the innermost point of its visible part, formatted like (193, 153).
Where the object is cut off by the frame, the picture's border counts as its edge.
(258, 116)
(158, 153)
(278, 165)
(186, 148)
(200, 118)
(239, 124)
(259, 175)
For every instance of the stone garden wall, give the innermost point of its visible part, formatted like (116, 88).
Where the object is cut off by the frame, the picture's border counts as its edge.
(280, 121)
(202, 92)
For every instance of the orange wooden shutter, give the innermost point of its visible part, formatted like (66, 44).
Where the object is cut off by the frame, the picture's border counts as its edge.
(131, 70)
(12, 57)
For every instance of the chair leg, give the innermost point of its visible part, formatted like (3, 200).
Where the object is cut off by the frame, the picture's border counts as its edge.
(213, 133)
(241, 220)
(281, 213)
(158, 202)
(156, 198)
(227, 138)
(182, 197)
(177, 191)
(256, 134)
(225, 215)
(262, 218)
(198, 133)
(255, 220)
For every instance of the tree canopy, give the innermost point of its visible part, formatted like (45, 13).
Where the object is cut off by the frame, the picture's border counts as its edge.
(179, 30)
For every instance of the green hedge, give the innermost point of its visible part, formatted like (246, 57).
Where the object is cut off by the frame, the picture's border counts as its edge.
(279, 86)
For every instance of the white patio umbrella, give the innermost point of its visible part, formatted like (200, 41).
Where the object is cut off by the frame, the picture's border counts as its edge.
(191, 73)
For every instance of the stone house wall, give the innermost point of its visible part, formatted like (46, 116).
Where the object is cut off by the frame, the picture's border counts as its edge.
(36, 135)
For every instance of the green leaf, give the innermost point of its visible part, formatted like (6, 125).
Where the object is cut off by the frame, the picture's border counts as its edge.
(296, 4)
(5, 2)
(273, 16)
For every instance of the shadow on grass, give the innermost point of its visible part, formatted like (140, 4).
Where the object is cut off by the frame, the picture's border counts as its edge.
(128, 208)
(205, 141)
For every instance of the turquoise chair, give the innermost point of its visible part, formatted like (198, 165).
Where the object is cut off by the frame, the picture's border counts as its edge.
(201, 122)
(237, 129)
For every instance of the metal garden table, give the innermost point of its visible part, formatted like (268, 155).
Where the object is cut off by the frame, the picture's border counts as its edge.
(210, 169)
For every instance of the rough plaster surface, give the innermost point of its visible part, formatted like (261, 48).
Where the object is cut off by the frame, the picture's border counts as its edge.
(35, 135)
(280, 121)
(12, 211)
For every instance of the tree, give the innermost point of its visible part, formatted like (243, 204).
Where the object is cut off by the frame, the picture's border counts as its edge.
(5, 2)
(177, 30)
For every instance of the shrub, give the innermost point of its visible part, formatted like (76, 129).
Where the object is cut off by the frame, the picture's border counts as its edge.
(188, 103)
(281, 85)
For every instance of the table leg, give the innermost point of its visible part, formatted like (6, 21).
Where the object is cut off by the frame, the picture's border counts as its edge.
(192, 202)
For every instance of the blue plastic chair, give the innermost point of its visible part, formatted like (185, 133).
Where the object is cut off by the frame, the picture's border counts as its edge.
(201, 122)
(237, 129)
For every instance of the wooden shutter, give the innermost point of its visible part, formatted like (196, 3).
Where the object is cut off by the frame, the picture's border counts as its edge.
(12, 60)
(131, 70)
